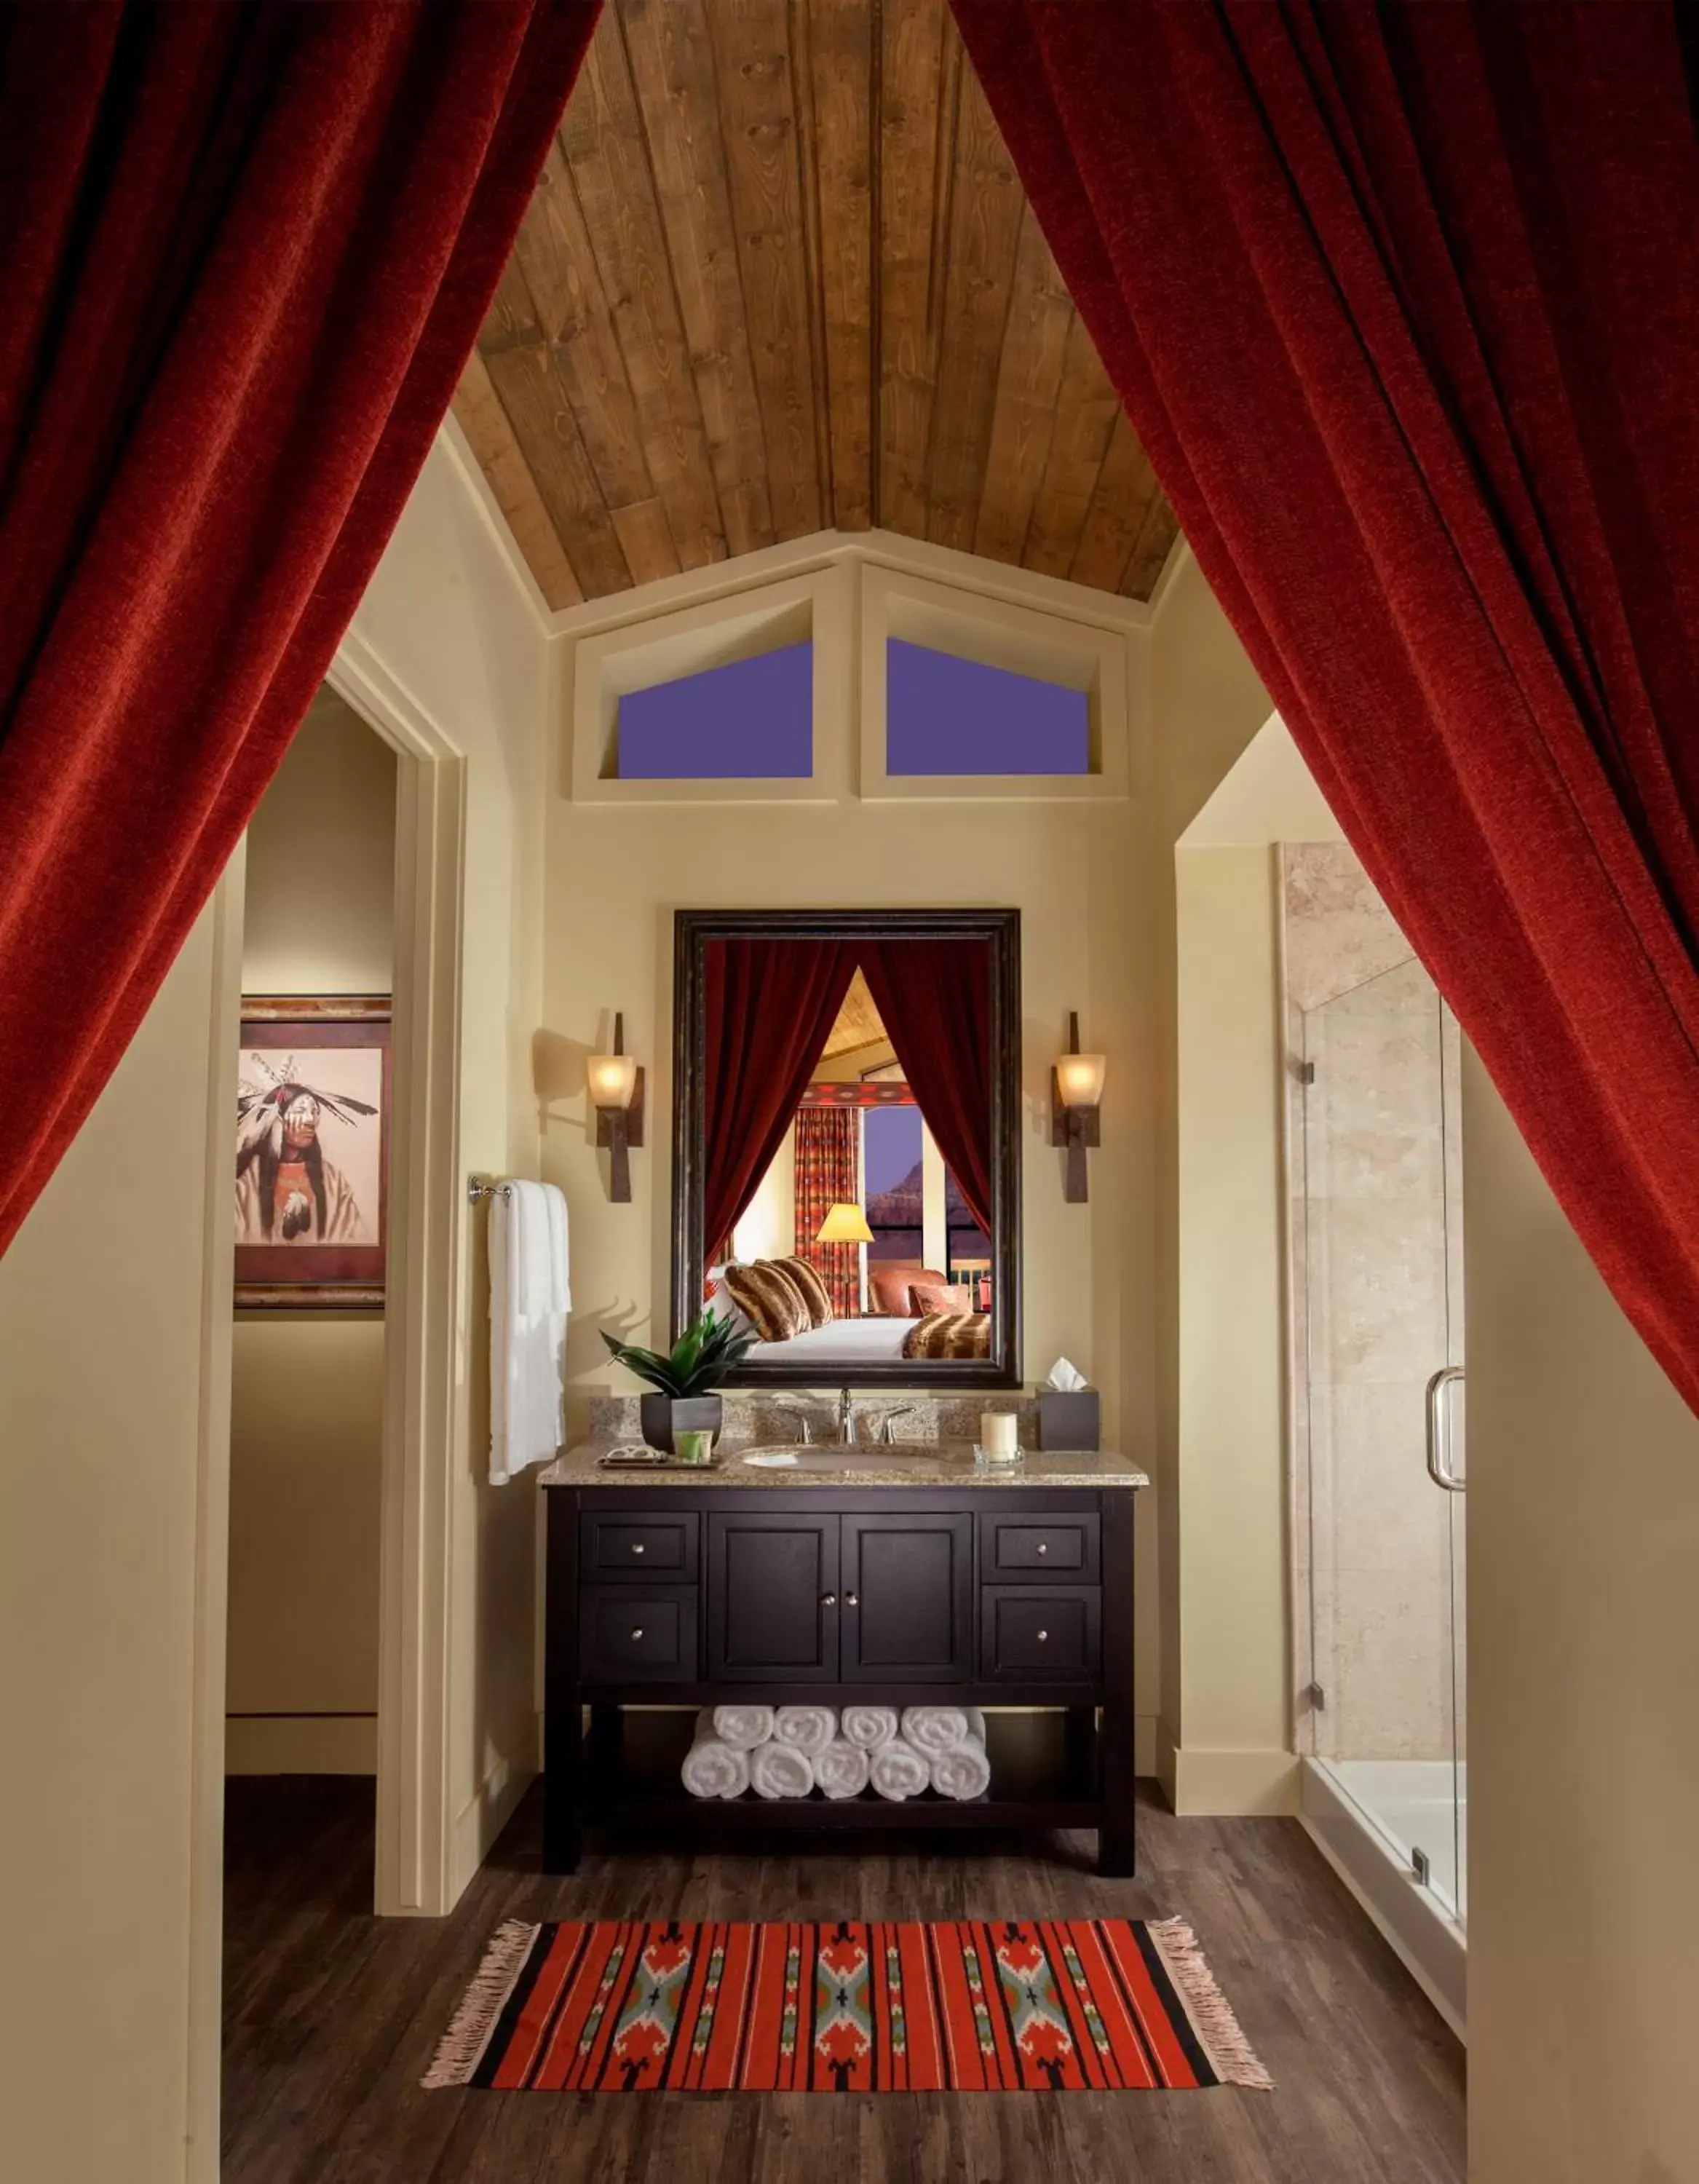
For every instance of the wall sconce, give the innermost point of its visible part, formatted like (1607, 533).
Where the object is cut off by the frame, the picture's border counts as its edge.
(616, 1094)
(1076, 1088)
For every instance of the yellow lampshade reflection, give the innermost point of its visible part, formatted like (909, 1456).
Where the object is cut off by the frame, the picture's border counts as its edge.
(845, 1224)
(1080, 1077)
(613, 1079)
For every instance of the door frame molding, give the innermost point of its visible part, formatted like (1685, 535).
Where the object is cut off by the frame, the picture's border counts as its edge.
(413, 1873)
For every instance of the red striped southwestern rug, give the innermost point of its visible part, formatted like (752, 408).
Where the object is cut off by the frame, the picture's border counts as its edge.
(1049, 2005)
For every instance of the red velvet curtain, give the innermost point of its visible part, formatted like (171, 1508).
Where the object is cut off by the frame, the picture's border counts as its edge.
(1403, 301)
(935, 999)
(769, 1006)
(828, 1173)
(247, 251)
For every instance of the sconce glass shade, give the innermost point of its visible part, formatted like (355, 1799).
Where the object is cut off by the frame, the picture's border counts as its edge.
(1080, 1077)
(845, 1224)
(613, 1079)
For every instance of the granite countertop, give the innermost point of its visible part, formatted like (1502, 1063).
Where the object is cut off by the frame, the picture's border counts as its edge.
(939, 1463)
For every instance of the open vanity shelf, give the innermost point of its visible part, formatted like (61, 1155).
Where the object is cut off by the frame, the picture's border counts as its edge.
(1044, 1773)
(663, 1594)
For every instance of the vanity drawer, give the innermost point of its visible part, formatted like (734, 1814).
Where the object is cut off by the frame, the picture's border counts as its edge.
(1030, 1637)
(624, 1544)
(630, 1635)
(1038, 1550)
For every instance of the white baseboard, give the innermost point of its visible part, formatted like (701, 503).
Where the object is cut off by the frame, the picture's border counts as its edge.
(1225, 1784)
(482, 1818)
(300, 1744)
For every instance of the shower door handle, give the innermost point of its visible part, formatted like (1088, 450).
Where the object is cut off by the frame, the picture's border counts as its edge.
(1439, 1434)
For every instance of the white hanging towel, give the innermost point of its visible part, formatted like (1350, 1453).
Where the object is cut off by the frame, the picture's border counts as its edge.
(530, 1297)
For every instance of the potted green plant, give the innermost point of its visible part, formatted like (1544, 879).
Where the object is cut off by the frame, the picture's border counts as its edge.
(698, 1362)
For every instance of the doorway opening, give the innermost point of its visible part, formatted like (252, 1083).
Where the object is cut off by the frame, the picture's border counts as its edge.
(317, 1087)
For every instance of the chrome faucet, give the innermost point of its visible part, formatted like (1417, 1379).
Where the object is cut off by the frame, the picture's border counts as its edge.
(890, 1420)
(803, 1425)
(846, 1420)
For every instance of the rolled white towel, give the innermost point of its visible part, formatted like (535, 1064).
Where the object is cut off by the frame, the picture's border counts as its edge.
(807, 1729)
(780, 1771)
(898, 1771)
(963, 1774)
(712, 1768)
(841, 1769)
(742, 1727)
(869, 1726)
(934, 1729)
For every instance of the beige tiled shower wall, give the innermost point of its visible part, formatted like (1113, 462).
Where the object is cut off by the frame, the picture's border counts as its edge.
(1377, 1307)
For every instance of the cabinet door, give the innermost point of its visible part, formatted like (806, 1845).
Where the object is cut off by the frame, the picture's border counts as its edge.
(772, 1598)
(907, 1612)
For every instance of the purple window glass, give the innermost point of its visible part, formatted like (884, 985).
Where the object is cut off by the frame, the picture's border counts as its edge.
(947, 716)
(750, 721)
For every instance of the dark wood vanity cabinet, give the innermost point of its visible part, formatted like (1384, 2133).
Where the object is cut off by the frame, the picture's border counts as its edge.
(690, 1597)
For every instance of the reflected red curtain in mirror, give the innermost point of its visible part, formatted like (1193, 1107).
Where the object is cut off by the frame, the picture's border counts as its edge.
(770, 1006)
(828, 1173)
(934, 999)
(1403, 301)
(247, 251)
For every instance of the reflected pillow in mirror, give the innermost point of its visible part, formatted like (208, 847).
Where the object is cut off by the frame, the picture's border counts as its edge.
(769, 1300)
(804, 1279)
(928, 1297)
(890, 1287)
(721, 1302)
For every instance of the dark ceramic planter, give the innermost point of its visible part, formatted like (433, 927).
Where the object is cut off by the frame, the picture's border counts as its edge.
(664, 1415)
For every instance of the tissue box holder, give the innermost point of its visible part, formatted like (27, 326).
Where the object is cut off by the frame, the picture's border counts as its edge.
(1073, 1419)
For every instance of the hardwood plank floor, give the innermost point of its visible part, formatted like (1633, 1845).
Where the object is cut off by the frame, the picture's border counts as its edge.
(330, 2016)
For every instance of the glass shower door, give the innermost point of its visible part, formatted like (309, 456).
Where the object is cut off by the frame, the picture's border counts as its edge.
(1381, 1301)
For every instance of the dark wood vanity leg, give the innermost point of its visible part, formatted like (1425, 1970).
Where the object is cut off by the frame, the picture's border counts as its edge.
(1117, 1855)
(563, 1735)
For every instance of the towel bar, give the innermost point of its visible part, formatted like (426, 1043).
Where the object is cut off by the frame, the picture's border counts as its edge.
(481, 1187)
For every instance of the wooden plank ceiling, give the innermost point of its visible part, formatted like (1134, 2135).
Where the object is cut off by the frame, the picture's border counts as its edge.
(779, 275)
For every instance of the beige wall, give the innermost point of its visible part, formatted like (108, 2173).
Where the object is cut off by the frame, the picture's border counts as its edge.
(1224, 1734)
(448, 632)
(306, 1389)
(1584, 1660)
(320, 912)
(113, 1394)
(1063, 867)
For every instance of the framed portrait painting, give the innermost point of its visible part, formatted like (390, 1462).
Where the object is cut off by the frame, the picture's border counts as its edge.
(312, 1151)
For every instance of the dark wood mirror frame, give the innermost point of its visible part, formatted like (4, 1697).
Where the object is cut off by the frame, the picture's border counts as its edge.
(692, 930)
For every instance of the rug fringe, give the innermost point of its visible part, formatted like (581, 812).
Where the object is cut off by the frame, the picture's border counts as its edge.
(462, 2048)
(1229, 2052)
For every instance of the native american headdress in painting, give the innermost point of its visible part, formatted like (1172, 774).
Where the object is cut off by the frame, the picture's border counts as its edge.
(260, 1112)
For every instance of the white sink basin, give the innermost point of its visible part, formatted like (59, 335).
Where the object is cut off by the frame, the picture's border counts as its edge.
(828, 1456)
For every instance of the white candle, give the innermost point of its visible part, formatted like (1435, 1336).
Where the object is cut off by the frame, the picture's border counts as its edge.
(997, 1432)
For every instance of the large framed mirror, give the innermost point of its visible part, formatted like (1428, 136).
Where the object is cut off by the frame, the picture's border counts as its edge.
(846, 1171)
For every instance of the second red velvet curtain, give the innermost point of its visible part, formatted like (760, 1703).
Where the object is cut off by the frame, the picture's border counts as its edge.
(934, 999)
(246, 250)
(1403, 301)
(769, 1005)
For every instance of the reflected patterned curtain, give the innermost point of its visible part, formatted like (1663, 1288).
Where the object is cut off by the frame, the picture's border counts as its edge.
(828, 1173)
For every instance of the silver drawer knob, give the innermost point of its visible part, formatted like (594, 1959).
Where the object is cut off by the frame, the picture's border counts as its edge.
(1043, 1547)
(637, 1632)
(1043, 1636)
(636, 1547)
(852, 1600)
(829, 1600)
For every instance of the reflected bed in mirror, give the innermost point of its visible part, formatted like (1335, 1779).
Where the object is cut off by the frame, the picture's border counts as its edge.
(846, 1146)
